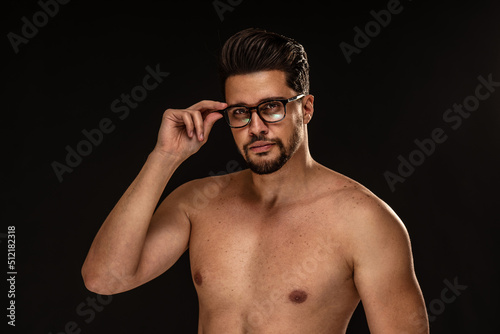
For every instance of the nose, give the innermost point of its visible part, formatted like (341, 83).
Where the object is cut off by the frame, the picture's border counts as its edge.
(257, 125)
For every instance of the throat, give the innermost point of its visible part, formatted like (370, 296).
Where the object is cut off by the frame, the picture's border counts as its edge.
(283, 186)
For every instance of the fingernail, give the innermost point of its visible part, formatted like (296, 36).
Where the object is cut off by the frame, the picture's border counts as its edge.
(201, 136)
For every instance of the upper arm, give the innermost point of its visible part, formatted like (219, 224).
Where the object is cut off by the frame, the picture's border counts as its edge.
(383, 270)
(167, 237)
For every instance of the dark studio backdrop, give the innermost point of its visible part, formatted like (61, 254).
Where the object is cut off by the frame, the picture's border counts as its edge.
(408, 105)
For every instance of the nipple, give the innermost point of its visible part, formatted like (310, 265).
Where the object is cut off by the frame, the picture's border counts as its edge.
(298, 296)
(198, 279)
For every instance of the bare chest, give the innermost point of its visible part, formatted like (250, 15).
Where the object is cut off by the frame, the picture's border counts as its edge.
(282, 261)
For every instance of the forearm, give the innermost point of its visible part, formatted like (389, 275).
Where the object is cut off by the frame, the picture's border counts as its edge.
(116, 250)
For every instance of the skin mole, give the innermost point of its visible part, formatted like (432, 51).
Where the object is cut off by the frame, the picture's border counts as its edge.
(298, 296)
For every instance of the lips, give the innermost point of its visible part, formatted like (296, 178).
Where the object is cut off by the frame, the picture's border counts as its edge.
(261, 146)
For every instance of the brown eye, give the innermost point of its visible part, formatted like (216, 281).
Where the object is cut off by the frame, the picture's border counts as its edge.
(238, 111)
(270, 106)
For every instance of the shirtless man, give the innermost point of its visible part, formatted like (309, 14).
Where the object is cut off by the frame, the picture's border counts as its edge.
(286, 246)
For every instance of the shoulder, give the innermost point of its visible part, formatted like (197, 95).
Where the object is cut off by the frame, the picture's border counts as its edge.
(365, 220)
(212, 185)
(362, 208)
(356, 203)
(197, 194)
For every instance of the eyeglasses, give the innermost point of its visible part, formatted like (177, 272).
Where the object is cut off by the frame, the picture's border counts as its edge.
(271, 111)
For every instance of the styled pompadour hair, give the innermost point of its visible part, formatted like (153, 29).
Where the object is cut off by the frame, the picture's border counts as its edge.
(253, 50)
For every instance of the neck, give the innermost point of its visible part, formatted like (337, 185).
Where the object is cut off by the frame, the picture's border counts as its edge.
(288, 182)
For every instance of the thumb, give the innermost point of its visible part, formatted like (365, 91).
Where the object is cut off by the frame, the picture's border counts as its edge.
(210, 121)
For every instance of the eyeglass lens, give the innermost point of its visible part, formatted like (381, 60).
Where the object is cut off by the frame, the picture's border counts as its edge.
(272, 111)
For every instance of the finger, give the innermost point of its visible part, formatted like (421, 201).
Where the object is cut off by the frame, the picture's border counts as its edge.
(208, 105)
(198, 123)
(210, 121)
(188, 122)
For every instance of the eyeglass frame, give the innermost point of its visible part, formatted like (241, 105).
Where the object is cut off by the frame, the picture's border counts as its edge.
(249, 109)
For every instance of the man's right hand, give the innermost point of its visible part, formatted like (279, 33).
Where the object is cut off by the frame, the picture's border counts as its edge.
(184, 131)
(135, 244)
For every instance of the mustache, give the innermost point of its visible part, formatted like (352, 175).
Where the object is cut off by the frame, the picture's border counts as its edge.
(261, 137)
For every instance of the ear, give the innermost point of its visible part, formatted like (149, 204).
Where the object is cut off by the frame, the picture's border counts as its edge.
(308, 107)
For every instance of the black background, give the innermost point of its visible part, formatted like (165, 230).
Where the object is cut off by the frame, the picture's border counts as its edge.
(367, 113)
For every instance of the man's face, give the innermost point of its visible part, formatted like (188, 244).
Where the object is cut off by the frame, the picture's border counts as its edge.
(266, 147)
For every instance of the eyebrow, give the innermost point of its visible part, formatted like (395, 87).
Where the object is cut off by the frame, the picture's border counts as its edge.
(272, 98)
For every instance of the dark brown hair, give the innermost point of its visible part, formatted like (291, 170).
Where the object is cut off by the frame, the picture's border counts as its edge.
(252, 50)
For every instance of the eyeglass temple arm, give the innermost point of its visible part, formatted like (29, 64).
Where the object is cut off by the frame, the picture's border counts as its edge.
(296, 98)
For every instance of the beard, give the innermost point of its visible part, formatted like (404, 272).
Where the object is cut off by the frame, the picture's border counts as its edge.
(285, 153)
